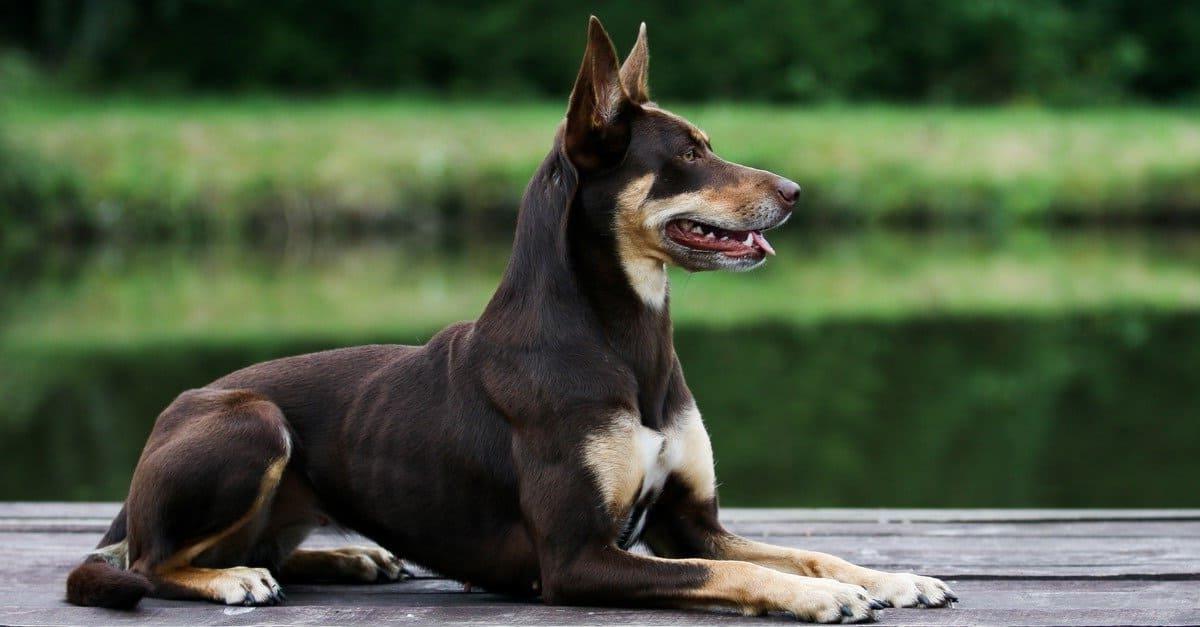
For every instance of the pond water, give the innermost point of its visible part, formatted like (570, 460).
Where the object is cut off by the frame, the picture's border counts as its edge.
(870, 369)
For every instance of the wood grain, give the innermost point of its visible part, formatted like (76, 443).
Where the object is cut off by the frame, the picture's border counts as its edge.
(1032, 567)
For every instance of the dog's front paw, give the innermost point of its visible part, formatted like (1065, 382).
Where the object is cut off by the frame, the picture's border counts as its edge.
(909, 590)
(827, 601)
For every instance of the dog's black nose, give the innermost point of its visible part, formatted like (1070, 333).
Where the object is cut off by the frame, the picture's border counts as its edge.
(788, 191)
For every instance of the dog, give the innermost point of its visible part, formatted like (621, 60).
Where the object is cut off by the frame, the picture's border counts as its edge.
(525, 452)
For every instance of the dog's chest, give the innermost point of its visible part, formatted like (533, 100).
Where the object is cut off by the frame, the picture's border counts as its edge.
(659, 454)
(630, 463)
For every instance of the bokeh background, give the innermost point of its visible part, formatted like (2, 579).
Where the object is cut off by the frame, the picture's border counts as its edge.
(990, 295)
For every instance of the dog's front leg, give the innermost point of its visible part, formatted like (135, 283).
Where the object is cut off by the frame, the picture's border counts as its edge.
(682, 525)
(895, 589)
(575, 503)
(607, 575)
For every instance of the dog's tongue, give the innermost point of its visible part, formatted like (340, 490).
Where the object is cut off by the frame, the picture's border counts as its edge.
(762, 242)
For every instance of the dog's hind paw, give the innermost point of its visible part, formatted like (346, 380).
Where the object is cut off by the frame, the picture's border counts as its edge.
(371, 564)
(247, 586)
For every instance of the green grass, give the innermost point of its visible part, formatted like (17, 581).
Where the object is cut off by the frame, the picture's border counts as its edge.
(169, 161)
(121, 298)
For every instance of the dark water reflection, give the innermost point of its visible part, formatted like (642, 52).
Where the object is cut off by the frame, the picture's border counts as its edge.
(1088, 405)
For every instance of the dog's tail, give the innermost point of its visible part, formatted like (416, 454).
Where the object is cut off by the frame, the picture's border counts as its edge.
(102, 580)
(100, 584)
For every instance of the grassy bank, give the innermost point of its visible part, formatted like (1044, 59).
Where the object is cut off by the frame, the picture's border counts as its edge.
(195, 165)
(147, 295)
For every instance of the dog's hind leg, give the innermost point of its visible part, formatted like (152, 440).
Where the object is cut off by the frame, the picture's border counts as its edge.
(178, 577)
(356, 564)
(202, 496)
(293, 516)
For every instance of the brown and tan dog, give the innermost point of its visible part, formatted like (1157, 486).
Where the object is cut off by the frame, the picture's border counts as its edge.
(524, 452)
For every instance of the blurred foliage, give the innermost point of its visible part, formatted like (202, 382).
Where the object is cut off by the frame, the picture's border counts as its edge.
(1054, 51)
(37, 199)
(867, 369)
(1009, 370)
(122, 296)
(1029, 411)
(197, 168)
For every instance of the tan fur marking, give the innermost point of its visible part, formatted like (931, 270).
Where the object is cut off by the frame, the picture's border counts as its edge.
(746, 587)
(899, 589)
(640, 222)
(639, 248)
(807, 563)
(648, 277)
(356, 563)
(616, 455)
(232, 586)
(625, 457)
(755, 590)
(694, 465)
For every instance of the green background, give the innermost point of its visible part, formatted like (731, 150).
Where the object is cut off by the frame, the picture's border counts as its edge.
(989, 295)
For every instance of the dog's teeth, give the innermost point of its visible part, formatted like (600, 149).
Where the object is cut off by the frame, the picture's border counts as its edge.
(749, 240)
(697, 229)
(709, 236)
(724, 238)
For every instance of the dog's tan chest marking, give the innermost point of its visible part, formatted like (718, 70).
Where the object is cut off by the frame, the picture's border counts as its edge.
(695, 464)
(631, 462)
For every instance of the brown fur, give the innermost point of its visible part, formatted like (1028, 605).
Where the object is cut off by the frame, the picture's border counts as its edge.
(345, 565)
(523, 452)
(101, 584)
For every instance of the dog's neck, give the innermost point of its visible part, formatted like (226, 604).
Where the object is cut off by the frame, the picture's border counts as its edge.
(565, 256)
(565, 282)
(622, 289)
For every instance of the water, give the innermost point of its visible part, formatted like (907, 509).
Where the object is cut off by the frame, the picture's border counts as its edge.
(1031, 370)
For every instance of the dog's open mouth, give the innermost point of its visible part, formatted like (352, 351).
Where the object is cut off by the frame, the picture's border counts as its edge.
(700, 236)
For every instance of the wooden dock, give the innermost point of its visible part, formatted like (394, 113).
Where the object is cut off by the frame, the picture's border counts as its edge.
(1026, 567)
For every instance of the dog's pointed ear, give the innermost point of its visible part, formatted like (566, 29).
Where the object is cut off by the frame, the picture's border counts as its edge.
(635, 72)
(597, 130)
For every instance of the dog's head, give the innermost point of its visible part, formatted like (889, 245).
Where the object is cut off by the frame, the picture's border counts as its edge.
(653, 178)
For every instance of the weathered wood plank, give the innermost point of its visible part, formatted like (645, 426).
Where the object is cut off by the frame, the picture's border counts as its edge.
(1064, 594)
(1114, 567)
(528, 614)
(938, 556)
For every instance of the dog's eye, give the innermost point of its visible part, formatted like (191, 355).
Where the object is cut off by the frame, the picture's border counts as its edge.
(690, 155)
